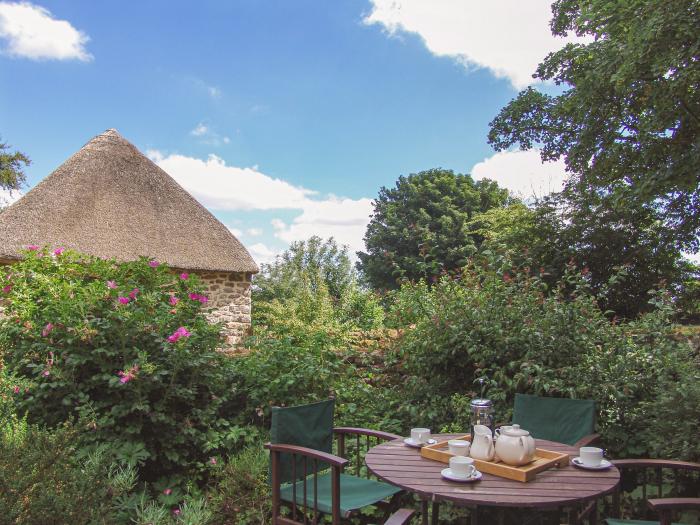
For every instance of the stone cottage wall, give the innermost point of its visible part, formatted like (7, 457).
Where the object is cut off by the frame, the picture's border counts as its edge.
(229, 303)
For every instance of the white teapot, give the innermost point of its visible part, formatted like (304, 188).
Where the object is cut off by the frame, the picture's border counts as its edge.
(515, 446)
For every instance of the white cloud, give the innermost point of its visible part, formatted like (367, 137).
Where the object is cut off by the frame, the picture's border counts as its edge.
(214, 92)
(208, 136)
(199, 130)
(254, 232)
(343, 219)
(262, 254)
(8, 197)
(32, 32)
(219, 186)
(508, 37)
(522, 172)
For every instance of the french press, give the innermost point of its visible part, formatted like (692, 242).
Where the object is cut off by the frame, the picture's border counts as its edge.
(482, 411)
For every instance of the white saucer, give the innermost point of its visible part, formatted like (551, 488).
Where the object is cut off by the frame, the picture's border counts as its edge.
(604, 464)
(447, 474)
(417, 444)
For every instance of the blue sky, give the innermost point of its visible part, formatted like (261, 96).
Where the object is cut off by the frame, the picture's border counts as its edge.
(283, 118)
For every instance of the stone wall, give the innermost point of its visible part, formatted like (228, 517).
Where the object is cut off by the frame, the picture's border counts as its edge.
(229, 303)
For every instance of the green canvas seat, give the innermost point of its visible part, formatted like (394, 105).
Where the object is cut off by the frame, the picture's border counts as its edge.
(555, 419)
(355, 492)
(314, 466)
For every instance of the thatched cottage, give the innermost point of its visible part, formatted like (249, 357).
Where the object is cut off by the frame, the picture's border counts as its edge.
(110, 200)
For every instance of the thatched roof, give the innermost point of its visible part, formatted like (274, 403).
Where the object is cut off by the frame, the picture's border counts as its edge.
(110, 200)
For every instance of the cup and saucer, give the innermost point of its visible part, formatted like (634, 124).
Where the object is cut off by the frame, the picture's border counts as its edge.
(419, 438)
(461, 469)
(591, 458)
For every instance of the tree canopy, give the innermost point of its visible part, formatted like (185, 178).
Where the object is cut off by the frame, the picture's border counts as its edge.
(629, 115)
(419, 229)
(11, 167)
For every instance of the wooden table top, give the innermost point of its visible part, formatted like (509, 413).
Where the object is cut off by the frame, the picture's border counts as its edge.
(404, 467)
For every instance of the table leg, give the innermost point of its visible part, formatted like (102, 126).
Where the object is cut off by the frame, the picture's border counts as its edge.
(424, 512)
(474, 516)
(435, 514)
(593, 519)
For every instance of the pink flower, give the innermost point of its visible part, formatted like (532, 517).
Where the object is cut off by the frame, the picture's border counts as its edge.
(177, 334)
(16, 390)
(133, 293)
(58, 251)
(127, 375)
(7, 288)
(46, 373)
(47, 330)
(196, 297)
(123, 300)
(153, 264)
(174, 300)
(176, 512)
(111, 284)
(184, 276)
(168, 492)
(32, 247)
(212, 461)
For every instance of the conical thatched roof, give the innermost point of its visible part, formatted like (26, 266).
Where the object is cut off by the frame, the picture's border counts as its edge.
(110, 200)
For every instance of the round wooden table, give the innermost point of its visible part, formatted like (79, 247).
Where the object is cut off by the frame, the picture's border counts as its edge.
(403, 466)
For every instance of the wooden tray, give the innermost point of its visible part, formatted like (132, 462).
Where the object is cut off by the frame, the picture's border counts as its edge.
(544, 459)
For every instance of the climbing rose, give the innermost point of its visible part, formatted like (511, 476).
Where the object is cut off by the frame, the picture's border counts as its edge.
(7, 288)
(212, 461)
(168, 492)
(46, 373)
(32, 247)
(47, 330)
(133, 293)
(16, 390)
(58, 251)
(128, 375)
(174, 300)
(111, 284)
(153, 264)
(184, 276)
(176, 512)
(123, 300)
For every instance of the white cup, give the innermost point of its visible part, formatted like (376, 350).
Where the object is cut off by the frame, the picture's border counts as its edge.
(591, 456)
(420, 435)
(459, 447)
(462, 467)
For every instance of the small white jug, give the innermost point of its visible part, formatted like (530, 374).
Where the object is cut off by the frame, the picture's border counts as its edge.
(482, 444)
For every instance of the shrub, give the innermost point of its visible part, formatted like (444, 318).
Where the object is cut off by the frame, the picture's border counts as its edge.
(242, 493)
(504, 323)
(124, 345)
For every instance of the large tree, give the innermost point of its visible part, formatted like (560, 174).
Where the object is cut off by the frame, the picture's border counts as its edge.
(419, 229)
(628, 117)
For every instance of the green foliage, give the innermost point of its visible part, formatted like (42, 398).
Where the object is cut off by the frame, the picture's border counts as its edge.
(43, 482)
(626, 250)
(242, 493)
(312, 286)
(11, 167)
(504, 323)
(98, 339)
(630, 114)
(419, 228)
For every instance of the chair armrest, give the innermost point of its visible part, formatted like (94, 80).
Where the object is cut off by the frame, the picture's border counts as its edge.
(655, 463)
(400, 517)
(587, 440)
(332, 459)
(659, 504)
(387, 436)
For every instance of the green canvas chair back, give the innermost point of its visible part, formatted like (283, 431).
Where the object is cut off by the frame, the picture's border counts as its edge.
(308, 426)
(555, 419)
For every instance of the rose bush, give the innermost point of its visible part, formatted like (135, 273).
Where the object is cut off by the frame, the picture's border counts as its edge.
(124, 346)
